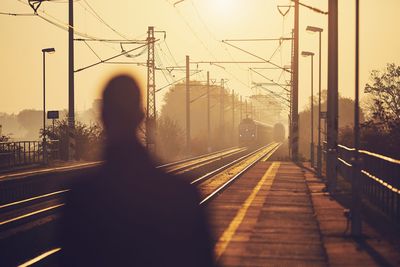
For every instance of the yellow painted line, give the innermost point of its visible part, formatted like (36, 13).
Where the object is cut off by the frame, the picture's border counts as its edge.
(30, 214)
(225, 239)
(39, 258)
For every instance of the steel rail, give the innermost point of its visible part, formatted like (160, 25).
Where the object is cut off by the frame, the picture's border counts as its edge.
(219, 190)
(201, 162)
(45, 197)
(214, 172)
(224, 186)
(84, 165)
(196, 158)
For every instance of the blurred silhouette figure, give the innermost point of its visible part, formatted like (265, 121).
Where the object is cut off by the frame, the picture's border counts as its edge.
(130, 213)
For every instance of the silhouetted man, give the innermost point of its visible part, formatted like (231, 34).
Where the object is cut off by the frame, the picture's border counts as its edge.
(130, 213)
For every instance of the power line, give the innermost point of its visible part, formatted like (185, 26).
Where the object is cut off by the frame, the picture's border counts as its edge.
(119, 41)
(17, 14)
(169, 50)
(110, 58)
(58, 23)
(206, 48)
(311, 8)
(91, 49)
(213, 36)
(267, 61)
(159, 89)
(272, 81)
(99, 18)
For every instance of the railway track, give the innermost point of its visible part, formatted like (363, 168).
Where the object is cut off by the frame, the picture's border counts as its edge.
(19, 212)
(16, 216)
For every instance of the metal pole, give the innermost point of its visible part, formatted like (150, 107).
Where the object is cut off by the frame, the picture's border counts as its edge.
(241, 109)
(295, 93)
(151, 93)
(222, 112)
(71, 90)
(44, 109)
(208, 113)
(246, 109)
(187, 106)
(233, 115)
(319, 149)
(332, 112)
(290, 117)
(356, 227)
(312, 113)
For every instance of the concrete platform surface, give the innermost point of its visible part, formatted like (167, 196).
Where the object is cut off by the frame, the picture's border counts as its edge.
(276, 214)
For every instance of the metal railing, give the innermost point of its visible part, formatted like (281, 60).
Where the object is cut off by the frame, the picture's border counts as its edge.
(379, 177)
(14, 154)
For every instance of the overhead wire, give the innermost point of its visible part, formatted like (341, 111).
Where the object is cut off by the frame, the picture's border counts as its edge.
(99, 18)
(57, 22)
(219, 42)
(66, 26)
(205, 47)
(17, 14)
(91, 49)
(157, 59)
(110, 58)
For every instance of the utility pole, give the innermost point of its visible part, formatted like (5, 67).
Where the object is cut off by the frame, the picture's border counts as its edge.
(233, 114)
(332, 112)
(241, 109)
(222, 112)
(295, 91)
(312, 113)
(356, 225)
(71, 87)
(290, 123)
(208, 114)
(246, 109)
(319, 150)
(151, 93)
(188, 148)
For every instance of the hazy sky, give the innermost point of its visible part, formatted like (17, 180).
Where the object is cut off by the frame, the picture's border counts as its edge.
(193, 27)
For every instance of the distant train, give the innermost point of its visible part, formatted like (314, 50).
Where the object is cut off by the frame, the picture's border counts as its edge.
(253, 132)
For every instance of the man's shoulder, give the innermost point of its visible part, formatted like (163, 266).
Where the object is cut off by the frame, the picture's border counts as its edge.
(177, 186)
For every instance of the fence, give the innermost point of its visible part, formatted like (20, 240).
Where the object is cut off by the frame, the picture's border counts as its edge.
(380, 178)
(21, 153)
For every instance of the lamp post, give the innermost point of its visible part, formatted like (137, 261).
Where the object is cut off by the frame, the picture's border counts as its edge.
(319, 148)
(311, 54)
(44, 147)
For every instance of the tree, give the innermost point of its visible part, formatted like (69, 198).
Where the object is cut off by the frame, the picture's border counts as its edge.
(169, 143)
(88, 139)
(346, 120)
(381, 132)
(175, 109)
(385, 93)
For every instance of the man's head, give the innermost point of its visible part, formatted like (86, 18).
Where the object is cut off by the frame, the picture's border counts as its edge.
(122, 108)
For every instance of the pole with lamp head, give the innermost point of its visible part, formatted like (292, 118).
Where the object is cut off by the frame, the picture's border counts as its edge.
(44, 147)
(319, 148)
(311, 54)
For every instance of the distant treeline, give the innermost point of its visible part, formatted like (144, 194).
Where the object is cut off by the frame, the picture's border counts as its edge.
(379, 116)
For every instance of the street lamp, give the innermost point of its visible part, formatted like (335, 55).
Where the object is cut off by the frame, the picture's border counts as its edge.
(319, 148)
(311, 54)
(44, 51)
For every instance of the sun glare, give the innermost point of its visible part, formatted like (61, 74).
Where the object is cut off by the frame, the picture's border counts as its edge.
(225, 6)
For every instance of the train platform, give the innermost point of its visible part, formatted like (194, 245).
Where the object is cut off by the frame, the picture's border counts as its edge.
(277, 214)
